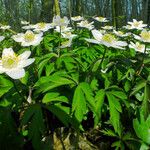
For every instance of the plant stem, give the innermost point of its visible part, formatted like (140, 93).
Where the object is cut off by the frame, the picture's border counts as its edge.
(142, 63)
(59, 49)
(103, 55)
(17, 90)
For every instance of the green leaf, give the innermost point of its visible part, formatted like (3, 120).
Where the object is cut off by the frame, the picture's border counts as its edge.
(60, 113)
(94, 85)
(119, 94)
(24, 80)
(114, 107)
(9, 135)
(79, 104)
(114, 100)
(33, 117)
(100, 96)
(43, 61)
(5, 85)
(145, 104)
(49, 69)
(144, 147)
(96, 65)
(53, 96)
(109, 133)
(142, 128)
(127, 86)
(138, 87)
(45, 84)
(83, 97)
(88, 95)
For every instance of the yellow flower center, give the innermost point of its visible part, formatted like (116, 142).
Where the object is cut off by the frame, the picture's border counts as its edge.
(136, 24)
(101, 18)
(10, 62)
(65, 43)
(62, 20)
(145, 35)
(29, 37)
(120, 32)
(140, 46)
(77, 17)
(41, 25)
(84, 23)
(108, 38)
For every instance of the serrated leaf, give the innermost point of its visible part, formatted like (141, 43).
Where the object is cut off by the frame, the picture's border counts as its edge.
(94, 85)
(114, 114)
(49, 69)
(96, 66)
(53, 96)
(142, 128)
(45, 84)
(100, 96)
(138, 87)
(36, 125)
(119, 94)
(5, 85)
(79, 104)
(114, 101)
(127, 85)
(145, 104)
(88, 95)
(9, 135)
(109, 133)
(60, 113)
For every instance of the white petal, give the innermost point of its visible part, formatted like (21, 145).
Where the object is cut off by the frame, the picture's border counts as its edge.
(25, 55)
(137, 37)
(121, 43)
(16, 73)
(97, 35)
(18, 37)
(2, 70)
(7, 51)
(92, 41)
(2, 38)
(25, 63)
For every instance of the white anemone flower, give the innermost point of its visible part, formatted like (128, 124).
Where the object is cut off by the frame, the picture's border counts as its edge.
(2, 38)
(28, 27)
(101, 19)
(68, 35)
(86, 24)
(128, 27)
(108, 27)
(63, 29)
(102, 31)
(29, 38)
(42, 27)
(137, 46)
(66, 43)
(108, 40)
(58, 21)
(77, 18)
(5, 27)
(137, 24)
(144, 36)
(121, 34)
(23, 22)
(14, 65)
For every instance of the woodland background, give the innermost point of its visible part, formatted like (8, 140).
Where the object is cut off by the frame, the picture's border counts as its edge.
(117, 11)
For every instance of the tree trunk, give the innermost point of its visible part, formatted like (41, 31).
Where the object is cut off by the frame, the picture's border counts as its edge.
(145, 10)
(56, 8)
(47, 10)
